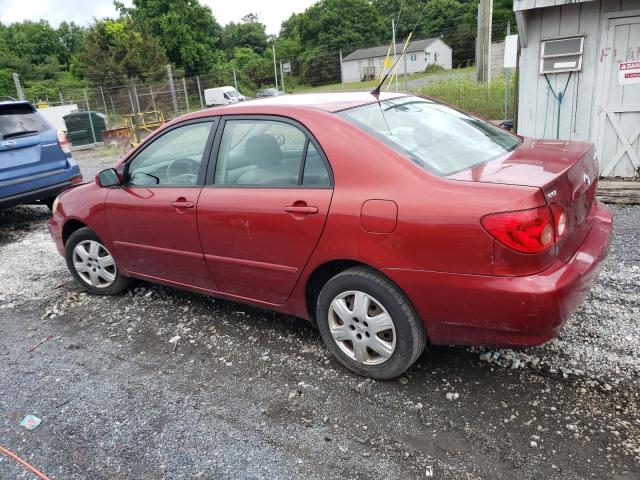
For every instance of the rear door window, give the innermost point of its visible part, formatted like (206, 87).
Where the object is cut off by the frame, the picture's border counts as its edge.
(20, 120)
(269, 153)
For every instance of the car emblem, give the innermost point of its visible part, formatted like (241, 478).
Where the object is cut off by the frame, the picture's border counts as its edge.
(9, 143)
(586, 179)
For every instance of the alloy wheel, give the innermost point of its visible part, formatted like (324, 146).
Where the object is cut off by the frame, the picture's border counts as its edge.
(94, 264)
(362, 328)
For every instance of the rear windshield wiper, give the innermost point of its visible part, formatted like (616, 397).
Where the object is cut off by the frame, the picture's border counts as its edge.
(19, 133)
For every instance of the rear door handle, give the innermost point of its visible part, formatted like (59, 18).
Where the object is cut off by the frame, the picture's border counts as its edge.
(301, 210)
(182, 204)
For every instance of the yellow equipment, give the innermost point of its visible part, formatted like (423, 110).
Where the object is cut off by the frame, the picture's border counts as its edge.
(147, 121)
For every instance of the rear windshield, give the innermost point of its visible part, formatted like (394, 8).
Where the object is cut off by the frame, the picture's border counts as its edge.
(20, 120)
(440, 139)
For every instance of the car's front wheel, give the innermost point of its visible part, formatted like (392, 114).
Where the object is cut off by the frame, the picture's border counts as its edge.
(369, 324)
(92, 265)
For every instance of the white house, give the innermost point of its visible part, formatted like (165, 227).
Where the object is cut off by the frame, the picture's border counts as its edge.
(369, 62)
(579, 76)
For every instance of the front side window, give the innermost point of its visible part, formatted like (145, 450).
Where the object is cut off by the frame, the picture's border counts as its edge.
(440, 139)
(172, 159)
(266, 153)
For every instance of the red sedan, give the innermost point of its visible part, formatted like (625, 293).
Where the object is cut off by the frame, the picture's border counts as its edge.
(387, 219)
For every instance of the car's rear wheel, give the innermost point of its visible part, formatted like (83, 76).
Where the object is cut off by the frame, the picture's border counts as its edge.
(92, 265)
(369, 324)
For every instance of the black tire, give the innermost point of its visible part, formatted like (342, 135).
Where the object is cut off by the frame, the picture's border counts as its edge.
(410, 338)
(49, 203)
(85, 234)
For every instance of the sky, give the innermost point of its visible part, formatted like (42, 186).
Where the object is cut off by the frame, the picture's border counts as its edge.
(83, 11)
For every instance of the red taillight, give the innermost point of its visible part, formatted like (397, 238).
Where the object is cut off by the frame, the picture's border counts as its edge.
(76, 179)
(64, 142)
(525, 231)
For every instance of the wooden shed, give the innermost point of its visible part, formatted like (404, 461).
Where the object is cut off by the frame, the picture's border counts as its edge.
(579, 76)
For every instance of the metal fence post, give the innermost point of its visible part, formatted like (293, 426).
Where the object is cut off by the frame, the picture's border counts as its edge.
(173, 90)
(104, 102)
(135, 95)
(133, 107)
(16, 80)
(186, 95)
(200, 91)
(506, 81)
(282, 77)
(153, 98)
(86, 101)
(404, 55)
(235, 80)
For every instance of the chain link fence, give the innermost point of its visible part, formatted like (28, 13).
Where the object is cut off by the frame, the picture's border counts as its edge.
(133, 110)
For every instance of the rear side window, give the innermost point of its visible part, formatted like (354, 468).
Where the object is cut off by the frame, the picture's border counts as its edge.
(268, 153)
(20, 120)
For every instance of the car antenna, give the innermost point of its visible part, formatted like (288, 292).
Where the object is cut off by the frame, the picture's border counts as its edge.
(376, 90)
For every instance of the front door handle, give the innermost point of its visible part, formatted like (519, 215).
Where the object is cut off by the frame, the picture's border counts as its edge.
(305, 210)
(182, 203)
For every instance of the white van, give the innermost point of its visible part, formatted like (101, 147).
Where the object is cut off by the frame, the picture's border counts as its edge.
(220, 96)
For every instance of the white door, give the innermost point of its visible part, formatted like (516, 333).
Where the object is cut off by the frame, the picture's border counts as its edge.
(618, 139)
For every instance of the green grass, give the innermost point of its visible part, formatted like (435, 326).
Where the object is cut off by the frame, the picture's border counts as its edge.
(368, 85)
(464, 93)
(472, 96)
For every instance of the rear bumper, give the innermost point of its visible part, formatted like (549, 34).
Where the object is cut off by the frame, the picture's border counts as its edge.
(34, 196)
(43, 188)
(507, 311)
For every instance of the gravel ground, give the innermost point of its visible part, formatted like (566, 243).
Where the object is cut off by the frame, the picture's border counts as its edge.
(245, 393)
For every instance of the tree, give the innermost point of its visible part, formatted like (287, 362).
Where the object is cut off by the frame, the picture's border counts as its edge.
(186, 30)
(71, 37)
(335, 24)
(249, 33)
(115, 51)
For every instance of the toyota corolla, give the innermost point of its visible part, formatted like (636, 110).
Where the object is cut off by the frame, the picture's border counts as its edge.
(389, 220)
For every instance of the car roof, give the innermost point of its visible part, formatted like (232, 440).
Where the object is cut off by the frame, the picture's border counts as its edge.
(15, 102)
(330, 102)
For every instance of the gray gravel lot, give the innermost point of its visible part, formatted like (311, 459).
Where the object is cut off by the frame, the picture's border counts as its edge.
(252, 394)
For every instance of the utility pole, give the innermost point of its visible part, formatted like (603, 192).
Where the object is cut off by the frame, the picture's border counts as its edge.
(483, 41)
(393, 40)
(275, 69)
(281, 76)
(16, 80)
(172, 88)
(341, 68)
(61, 99)
(200, 91)
(186, 96)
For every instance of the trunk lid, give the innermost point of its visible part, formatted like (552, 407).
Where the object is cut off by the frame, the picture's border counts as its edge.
(566, 172)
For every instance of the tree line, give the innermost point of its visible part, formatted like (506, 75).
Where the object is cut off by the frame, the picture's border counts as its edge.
(139, 43)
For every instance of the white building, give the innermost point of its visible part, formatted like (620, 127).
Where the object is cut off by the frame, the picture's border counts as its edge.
(586, 52)
(370, 61)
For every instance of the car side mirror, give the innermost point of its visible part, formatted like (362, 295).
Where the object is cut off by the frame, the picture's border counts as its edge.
(108, 178)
